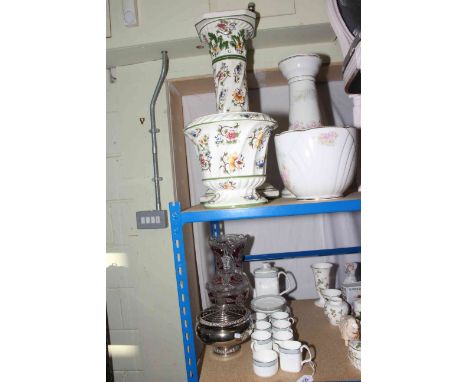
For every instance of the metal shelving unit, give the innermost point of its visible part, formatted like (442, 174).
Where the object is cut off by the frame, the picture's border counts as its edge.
(276, 208)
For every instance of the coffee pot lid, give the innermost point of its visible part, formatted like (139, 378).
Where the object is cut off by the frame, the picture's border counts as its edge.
(266, 269)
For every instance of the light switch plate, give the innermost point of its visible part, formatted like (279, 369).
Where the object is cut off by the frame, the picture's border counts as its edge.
(151, 219)
(130, 13)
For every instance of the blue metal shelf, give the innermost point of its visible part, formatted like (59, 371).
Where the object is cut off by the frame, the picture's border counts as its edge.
(276, 208)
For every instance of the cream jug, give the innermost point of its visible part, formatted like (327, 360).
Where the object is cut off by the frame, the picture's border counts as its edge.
(267, 281)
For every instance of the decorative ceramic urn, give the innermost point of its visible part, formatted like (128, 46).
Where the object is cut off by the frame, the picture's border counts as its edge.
(232, 144)
(315, 162)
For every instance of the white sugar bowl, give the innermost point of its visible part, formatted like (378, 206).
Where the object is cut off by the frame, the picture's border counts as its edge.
(267, 281)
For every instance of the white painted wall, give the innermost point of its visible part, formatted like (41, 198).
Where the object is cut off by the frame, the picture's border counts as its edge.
(164, 20)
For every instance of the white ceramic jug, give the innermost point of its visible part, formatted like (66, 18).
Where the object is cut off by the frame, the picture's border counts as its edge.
(267, 281)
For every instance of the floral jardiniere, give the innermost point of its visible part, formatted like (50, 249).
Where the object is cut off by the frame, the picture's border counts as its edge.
(232, 144)
(232, 149)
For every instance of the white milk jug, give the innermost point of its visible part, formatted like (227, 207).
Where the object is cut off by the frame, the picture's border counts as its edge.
(267, 281)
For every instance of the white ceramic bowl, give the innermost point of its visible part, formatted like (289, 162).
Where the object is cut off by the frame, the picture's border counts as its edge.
(317, 163)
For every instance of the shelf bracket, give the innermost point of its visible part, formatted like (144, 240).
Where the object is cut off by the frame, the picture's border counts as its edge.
(185, 312)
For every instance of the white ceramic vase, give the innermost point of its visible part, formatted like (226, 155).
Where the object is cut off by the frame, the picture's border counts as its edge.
(232, 144)
(336, 310)
(327, 294)
(322, 280)
(300, 70)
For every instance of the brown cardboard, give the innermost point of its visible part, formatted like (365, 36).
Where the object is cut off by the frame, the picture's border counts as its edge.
(312, 328)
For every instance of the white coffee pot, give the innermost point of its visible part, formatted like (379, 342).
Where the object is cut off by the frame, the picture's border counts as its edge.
(267, 281)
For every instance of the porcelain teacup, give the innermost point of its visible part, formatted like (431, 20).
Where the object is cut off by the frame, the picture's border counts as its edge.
(290, 353)
(281, 325)
(265, 363)
(281, 336)
(261, 340)
(263, 325)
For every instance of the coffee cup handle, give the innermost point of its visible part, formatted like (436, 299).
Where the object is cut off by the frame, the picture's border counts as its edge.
(252, 346)
(308, 351)
(289, 286)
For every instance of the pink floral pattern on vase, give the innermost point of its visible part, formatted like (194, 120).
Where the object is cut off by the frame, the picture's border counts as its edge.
(298, 125)
(328, 138)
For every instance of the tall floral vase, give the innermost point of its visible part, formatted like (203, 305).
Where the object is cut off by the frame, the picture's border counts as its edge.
(232, 144)
(226, 34)
(322, 280)
(301, 70)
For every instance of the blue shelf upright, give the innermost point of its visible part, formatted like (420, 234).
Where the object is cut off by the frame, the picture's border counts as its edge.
(276, 208)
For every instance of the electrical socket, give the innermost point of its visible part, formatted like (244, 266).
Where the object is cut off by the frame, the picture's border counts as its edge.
(151, 219)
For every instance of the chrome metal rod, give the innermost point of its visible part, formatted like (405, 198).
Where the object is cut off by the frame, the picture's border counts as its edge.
(162, 77)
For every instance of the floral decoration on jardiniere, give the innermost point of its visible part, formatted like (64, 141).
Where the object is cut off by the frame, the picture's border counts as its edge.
(237, 42)
(228, 185)
(222, 74)
(195, 132)
(238, 72)
(227, 134)
(230, 163)
(225, 27)
(222, 98)
(216, 44)
(203, 142)
(238, 97)
(252, 197)
(205, 160)
(260, 164)
(258, 138)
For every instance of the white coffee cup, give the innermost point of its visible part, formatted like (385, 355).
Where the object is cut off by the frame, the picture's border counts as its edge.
(261, 340)
(281, 325)
(259, 316)
(278, 316)
(263, 325)
(290, 353)
(281, 336)
(265, 363)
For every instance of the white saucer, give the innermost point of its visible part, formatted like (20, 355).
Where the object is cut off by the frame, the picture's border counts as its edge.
(268, 304)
